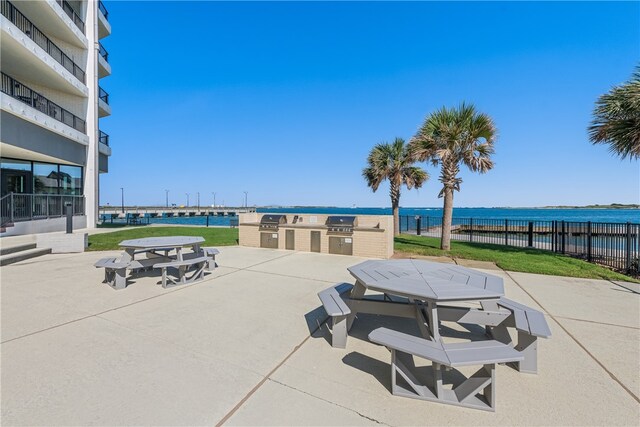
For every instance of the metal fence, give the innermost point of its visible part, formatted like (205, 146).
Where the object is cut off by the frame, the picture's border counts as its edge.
(70, 11)
(27, 207)
(31, 31)
(23, 93)
(616, 245)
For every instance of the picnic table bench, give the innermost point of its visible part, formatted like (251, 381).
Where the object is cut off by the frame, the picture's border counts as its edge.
(338, 310)
(476, 391)
(182, 267)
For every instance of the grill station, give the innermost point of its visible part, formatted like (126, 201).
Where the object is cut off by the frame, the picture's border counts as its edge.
(272, 222)
(269, 225)
(341, 224)
(340, 230)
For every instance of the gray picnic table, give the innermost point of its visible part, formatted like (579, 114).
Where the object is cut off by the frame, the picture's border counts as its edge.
(425, 286)
(166, 243)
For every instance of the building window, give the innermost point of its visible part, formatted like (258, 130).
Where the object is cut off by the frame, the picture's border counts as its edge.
(16, 176)
(45, 178)
(70, 179)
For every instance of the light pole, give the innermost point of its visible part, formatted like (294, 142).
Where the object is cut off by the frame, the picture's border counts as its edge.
(245, 199)
(122, 191)
(166, 193)
(214, 199)
(198, 206)
(187, 199)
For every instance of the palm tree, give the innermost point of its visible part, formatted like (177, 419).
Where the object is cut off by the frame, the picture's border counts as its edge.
(616, 119)
(449, 137)
(393, 162)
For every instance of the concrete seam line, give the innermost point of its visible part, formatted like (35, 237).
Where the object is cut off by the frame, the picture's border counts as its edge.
(257, 386)
(329, 401)
(625, 388)
(598, 323)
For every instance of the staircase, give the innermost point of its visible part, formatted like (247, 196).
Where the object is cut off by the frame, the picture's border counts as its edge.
(16, 253)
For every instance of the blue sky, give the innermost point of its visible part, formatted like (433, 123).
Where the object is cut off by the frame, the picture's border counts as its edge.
(285, 100)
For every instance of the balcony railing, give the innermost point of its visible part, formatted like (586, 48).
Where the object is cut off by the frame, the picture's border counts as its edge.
(104, 95)
(16, 207)
(103, 10)
(27, 27)
(104, 53)
(104, 138)
(22, 93)
(72, 14)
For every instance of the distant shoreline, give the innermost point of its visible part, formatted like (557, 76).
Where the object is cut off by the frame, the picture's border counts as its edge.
(611, 206)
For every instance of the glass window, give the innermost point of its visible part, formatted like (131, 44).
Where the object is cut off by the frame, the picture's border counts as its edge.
(70, 180)
(15, 176)
(45, 178)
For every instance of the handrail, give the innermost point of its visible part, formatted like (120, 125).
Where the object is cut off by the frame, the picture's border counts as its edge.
(16, 207)
(103, 95)
(72, 14)
(103, 52)
(24, 94)
(103, 138)
(31, 31)
(103, 10)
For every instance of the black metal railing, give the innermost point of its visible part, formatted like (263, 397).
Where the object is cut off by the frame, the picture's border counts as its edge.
(70, 11)
(103, 9)
(104, 53)
(17, 207)
(104, 95)
(615, 245)
(103, 138)
(31, 31)
(22, 93)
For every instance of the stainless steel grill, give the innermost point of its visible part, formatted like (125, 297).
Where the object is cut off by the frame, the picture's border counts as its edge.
(272, 222)
(341, 224)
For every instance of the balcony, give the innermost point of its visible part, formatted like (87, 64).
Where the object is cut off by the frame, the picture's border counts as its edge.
(103, 138)
(71, 13)
(33, 99)
(103, 103)
(104, 28)
(104, 68)
(11, 13)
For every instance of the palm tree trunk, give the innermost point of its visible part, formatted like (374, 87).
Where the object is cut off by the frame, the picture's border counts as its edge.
(447, 214)
(394, 192)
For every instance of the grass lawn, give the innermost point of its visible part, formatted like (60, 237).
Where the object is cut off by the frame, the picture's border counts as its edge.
(509, 258)
(213, 236)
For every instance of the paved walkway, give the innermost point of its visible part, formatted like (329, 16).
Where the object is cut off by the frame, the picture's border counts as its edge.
(247, 346)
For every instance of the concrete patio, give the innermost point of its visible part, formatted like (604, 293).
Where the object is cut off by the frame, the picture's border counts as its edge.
(247, 347)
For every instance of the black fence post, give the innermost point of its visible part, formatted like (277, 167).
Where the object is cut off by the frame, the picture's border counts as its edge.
(506, 232)
(554, 236)
(418, 224)
(589, 241)
(427, 218)
(530, 234)
(628, 247)
(562, 238)
(471, 229)
(207, 220)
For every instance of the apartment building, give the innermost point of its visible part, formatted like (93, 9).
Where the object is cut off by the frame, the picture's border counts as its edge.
(52, 147)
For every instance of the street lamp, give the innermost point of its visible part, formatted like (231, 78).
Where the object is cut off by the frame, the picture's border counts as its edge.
(187, 199)
(198, 206)
(245, 199)
(167, 196)
(122, 190)
(214, 198)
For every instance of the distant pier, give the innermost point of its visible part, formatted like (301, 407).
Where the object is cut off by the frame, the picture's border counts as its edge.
(171, 212)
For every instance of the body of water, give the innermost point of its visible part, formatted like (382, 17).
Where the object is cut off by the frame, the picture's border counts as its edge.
(594, 215)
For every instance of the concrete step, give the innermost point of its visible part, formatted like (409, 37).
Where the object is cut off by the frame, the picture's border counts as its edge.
(23, 255)
(17, 248)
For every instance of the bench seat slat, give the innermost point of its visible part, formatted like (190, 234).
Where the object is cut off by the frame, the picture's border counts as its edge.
(181, 263)
(481, 353)
(426, 349)
(333, 303)
(538, 324)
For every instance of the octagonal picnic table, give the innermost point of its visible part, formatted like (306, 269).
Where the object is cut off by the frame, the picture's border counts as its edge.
(425, 285)
(176, 243)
